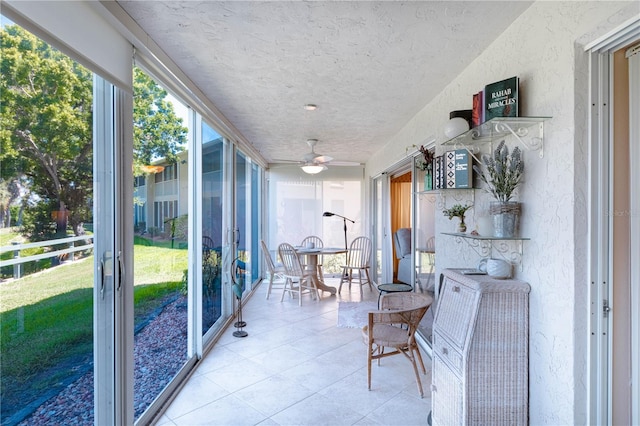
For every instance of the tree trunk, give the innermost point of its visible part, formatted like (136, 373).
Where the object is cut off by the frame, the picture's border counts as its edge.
(62, 219)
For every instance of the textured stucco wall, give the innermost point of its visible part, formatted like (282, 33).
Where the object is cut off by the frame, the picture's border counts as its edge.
(543, 48)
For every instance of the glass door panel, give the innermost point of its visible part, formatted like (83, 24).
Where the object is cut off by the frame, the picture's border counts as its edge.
(382, 229)
(256, 219)
(48, 245)
(424, 248)
(377, 229)
(212, 226)
(243, 237)
(425, 240)
(160, 249)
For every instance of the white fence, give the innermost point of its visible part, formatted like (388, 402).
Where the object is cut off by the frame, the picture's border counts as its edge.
(75, 244)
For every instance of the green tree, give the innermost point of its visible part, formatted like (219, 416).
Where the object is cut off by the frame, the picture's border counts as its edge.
(157, 131)
(45, 117)
(46, 127)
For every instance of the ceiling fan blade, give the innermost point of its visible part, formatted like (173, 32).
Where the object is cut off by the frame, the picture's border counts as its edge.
(344, 163)
(322, 158)
(314, 159)
(279, 160)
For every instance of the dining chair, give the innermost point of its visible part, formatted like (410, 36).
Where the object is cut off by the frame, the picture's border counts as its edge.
(207, 247)
(358, 260)
(317, 243)
(276, 270)
(297, 278)
(394, 326)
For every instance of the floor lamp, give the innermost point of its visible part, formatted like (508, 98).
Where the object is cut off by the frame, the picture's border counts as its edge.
(344, 220)
(346, 247)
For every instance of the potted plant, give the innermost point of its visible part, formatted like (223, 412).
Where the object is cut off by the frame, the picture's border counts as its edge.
(425, 162)
(458, 210)
(503, 175)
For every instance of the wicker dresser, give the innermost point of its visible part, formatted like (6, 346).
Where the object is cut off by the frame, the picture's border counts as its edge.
(481, 351)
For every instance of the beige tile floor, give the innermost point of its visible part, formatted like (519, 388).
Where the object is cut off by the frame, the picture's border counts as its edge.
(297, 367)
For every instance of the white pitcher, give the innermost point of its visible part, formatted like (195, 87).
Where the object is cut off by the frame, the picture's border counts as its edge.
(496, 268)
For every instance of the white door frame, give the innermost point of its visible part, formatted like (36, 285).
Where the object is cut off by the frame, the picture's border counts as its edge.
(600, 225)
(387, 242)
(634, 155)
(385, 210)
(105, 267)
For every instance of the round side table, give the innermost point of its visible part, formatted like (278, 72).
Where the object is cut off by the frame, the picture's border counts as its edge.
(392, 288)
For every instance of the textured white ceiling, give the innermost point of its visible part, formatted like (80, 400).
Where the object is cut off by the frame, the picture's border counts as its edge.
(369, 66)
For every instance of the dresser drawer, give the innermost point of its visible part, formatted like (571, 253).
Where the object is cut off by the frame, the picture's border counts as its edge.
(447, 392)
(447, 353)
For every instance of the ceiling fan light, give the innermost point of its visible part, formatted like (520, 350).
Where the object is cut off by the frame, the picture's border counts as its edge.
(312, 169)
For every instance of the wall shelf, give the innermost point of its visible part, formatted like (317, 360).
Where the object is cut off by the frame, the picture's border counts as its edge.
(529, 131)
(455, 196)
(510, 249)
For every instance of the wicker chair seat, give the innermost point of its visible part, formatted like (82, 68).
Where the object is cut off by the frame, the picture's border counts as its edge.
(387, 335)
(394, 326)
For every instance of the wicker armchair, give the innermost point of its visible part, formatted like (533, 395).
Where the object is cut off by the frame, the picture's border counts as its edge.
(394, 326)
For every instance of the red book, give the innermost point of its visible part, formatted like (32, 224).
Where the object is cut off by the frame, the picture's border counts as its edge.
(477, 110)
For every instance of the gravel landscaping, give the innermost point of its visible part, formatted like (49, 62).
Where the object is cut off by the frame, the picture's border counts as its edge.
(160, 351)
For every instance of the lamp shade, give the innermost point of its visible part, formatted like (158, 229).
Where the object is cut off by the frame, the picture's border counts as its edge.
(455, 127)
(312, 169)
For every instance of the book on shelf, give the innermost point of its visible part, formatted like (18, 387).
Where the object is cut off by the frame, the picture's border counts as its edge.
(458, 169)
(450, 169)
(501, 99)
(463, 169)
(477, 110)
(438, 175)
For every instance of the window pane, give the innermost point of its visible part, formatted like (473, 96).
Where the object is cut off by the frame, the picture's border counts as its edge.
(212, 181)
(296, 208)
(378, 223)
(47, 311)
(246, 223)
(256, 218)
(160, 251)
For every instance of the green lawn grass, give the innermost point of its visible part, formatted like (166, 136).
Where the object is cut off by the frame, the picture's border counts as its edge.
(8, 235)
(47, 318)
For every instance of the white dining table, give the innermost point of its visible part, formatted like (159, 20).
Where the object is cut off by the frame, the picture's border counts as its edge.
(312, 263)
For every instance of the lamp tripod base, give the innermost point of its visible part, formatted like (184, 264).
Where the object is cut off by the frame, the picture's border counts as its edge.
(239, 324)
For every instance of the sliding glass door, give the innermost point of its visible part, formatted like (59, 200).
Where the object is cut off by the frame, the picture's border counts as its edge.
(213, 146)
(382, 243)
(61, 280)
(244, 239)
(160, 243)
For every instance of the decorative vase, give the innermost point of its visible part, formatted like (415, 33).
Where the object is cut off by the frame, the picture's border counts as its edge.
(496, 268)
(462, 227)
(428, 181)
(506, 218)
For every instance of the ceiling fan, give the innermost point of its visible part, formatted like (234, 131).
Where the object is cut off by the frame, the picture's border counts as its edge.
(313, 162)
